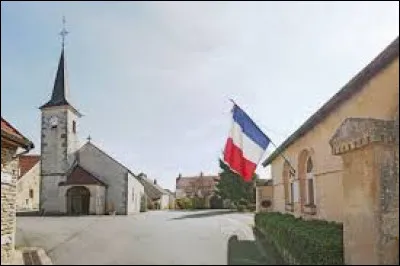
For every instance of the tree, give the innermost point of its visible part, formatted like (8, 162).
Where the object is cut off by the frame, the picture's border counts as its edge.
(231, 186)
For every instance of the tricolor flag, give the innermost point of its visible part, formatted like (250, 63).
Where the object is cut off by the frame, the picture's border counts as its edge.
(245, 146)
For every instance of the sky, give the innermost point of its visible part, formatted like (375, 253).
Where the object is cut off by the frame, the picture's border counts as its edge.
(154, 79)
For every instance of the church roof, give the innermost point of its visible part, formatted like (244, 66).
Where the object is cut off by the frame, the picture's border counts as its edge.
(80, 176)
(59, 96)
(60, 93)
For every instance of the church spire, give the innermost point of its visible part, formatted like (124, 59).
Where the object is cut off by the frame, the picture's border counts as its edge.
(60, 90)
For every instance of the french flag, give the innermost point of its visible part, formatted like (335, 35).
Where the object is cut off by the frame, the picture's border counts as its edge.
(245, 146)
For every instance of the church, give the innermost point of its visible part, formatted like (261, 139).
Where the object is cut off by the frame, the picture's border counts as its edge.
(79, 180)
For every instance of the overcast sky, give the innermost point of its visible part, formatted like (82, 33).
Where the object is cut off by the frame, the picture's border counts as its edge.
(153, 79)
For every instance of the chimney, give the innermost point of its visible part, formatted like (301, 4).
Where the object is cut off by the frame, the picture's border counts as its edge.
(155, 181)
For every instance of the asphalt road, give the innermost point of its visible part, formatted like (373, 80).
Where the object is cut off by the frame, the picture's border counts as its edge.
(158, 237)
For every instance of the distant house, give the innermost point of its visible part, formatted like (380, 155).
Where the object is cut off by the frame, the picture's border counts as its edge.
(171, 199)
(202, 186)
(11, 141)
(28, 183)
(157, 197)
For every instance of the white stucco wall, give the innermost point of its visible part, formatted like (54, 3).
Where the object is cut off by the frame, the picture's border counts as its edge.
(164, 202)
(30, 180)
(135, 191)
(110, 172)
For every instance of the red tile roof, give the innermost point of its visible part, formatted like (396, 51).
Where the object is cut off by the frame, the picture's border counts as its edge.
(185, 182)
(26, 162)
(10, 132)
(80, 176)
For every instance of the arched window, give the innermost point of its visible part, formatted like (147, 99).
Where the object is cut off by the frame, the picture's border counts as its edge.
(310, 183)
(309, 165)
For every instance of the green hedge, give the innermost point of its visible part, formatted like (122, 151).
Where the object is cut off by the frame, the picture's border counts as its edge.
(309, 242)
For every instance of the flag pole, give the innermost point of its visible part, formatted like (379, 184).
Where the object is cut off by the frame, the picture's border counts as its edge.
(293, 170)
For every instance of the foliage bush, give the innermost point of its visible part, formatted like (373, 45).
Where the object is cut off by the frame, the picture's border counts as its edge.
(310, 242)
(198, 203)
(184, 203)
(143, 204)
(150, 205)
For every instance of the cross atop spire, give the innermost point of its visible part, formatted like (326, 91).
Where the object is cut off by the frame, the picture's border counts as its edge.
(89, 138)
(63, 33)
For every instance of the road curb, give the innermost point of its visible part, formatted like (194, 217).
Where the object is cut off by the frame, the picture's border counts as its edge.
(43, 258)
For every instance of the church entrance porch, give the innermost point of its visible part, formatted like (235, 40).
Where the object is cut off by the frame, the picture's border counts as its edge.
(78, 201)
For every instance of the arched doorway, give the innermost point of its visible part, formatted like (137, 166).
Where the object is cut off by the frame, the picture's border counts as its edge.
(78, 200)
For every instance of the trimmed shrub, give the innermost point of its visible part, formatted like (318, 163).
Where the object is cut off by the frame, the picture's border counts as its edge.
(184, 203)
(312, 242)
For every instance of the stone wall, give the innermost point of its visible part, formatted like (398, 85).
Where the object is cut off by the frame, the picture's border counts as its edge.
(370, 188)
(8, 207)
(264, 193)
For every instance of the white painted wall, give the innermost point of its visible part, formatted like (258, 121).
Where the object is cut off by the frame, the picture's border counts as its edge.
(110, 172)
(135, 191)
(30, 180)
(164, 202)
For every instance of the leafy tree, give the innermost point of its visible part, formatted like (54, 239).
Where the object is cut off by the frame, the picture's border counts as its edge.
(231, 186)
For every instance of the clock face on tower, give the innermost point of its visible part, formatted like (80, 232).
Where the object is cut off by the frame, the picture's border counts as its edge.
(53, 121)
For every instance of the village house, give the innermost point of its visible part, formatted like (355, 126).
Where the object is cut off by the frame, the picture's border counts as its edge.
(171, 199)
(28, 183)
(11, 143)
(79, 180)
(202, 186)
(156, 196)
(342, 163)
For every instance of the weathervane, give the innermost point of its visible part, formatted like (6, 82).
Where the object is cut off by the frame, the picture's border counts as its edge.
(63, 33)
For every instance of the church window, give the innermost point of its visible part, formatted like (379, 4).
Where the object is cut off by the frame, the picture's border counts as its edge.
(74, 126)
(133, 195)
(31, 193)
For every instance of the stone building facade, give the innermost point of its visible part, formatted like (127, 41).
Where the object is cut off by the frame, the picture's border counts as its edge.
(342, 163)
(11, 141)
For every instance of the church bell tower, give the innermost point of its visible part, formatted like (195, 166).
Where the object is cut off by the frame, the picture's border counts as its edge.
(59, 139)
